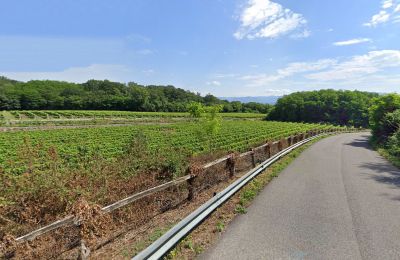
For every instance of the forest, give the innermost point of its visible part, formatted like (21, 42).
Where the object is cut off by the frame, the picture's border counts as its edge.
(340, 107)
(108, 95)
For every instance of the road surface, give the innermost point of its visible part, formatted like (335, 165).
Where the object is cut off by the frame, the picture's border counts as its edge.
(338, 200)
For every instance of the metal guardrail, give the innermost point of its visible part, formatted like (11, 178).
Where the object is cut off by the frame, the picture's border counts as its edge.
(168, 241)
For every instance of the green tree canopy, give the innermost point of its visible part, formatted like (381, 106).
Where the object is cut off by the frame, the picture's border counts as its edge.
(324, 106)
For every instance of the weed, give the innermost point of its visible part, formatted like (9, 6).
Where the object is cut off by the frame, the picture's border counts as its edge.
(240, 209)
(220, 226)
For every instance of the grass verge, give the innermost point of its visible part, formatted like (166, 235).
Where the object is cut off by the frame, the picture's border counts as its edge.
(385, 153)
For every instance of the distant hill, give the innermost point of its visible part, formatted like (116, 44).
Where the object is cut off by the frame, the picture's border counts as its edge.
(260, 99)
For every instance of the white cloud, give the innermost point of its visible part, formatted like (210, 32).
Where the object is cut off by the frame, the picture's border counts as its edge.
(111, 72)
(359, 66)
(267, 19)
(396, 19)
(388, 8)
(214, 83)
(352, 41)
(381, 17)
(304, 34)
(357, 70)
(291, 69)
(387, 4)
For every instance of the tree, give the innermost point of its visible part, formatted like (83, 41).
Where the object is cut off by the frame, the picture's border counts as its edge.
(381, 116)
(105, 95)
(324, 106)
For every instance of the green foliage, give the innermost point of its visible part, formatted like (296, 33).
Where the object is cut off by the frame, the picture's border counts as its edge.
(380, 116)
(385, 123)
(330, 106)
(93, 117)
(220, 226)
(240, 209)
(195, 109)
(111, 142)
(108, 95)
(209, 122)
(393, 145)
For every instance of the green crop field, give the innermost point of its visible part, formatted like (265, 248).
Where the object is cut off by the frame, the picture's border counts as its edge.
(110, 142)
(77, 117)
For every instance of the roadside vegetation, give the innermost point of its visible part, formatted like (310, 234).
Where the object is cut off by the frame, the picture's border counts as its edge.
(385, 124)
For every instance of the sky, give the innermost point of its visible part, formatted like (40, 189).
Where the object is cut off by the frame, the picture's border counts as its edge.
(222, 47)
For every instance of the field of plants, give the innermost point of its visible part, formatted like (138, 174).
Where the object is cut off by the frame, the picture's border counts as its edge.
(37, 117)
(110, 142)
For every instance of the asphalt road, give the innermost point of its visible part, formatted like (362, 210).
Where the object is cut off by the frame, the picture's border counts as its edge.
(338, 200)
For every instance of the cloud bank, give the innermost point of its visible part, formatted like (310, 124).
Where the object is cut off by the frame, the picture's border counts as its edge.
(267, 19)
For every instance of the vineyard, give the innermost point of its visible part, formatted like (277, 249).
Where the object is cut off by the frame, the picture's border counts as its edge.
(111, 142)
(77, 117)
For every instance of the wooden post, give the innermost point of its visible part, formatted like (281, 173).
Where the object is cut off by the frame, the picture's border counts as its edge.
(191, 193)
(280, 145)
(253, 158)
(289, 141)
(230, 164)
(268, 149)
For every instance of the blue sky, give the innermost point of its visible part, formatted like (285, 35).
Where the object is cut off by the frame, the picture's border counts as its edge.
(223, 47)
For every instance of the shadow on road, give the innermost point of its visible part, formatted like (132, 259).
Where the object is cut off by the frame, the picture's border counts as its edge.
(387, 173)
(384, 173)
(362, 142)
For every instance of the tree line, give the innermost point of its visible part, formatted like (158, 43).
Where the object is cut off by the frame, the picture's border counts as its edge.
(385, 124)
(337, 107)
(108, 95)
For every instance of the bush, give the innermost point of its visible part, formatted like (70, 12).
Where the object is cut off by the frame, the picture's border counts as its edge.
(393, 145)
(383, 116)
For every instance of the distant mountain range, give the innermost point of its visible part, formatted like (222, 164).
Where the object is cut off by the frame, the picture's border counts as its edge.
(259, 99)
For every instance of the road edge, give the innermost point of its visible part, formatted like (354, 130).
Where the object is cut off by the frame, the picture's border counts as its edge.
(208, 233)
